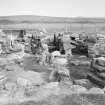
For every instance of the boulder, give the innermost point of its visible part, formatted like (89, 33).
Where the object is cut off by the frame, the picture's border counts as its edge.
(3, 61)
(95, 79)
(78, 89)
(53, 76)
(96, 64)
(56, 53)
(84, 63)
(82, 57)
(92, 39)
(75, 63)
(51, 85)
(10, 86)
(101, 75)
(50, 88)
(97, 68)
(66, 83)
(69, 53)
(101, 61)
(64, 71)
(35, 78)
(80, 63)
(13, 67)
(59, 74)
(2, 79)
(81, 81)
(60, 61)
(95, 91)
(23, 82)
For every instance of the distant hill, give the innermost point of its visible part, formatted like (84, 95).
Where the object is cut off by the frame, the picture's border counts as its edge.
(45, 19)
(6, 21)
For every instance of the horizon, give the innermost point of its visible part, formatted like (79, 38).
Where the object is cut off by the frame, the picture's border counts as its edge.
(53, 8)
(49, 16)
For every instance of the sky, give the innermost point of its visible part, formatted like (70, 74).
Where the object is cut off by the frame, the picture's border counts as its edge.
(56, 8)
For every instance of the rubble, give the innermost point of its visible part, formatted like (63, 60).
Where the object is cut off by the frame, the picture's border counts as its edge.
(97, 71)
(96, 80)
(39, 73)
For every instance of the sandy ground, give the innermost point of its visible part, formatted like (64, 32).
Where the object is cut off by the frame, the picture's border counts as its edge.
(57, 95)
